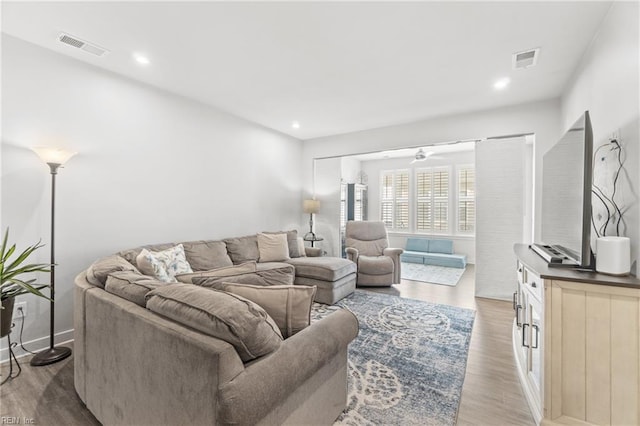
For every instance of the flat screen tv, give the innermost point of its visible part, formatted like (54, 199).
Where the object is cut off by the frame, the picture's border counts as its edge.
(567, 170)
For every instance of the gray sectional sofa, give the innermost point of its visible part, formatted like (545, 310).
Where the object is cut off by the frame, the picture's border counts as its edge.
(136, 363)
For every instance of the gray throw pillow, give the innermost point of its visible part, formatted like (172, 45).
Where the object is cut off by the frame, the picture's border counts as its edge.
(288, 305)
(100, 269)
(251, 278)
(228, 317)
(131, 285)
(243, 249)
(228, 271)
(206, 255)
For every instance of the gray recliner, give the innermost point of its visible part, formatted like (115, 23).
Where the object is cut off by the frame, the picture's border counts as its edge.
(367, 246)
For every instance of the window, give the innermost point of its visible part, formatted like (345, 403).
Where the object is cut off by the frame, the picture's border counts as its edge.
(466, 199)
(429, 200)
(394, 199)
(432, 200)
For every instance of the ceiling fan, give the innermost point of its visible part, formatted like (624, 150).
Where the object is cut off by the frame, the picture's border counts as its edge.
(421, 155)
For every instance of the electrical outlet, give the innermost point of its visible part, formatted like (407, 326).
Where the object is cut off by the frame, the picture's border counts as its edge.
(16, 310)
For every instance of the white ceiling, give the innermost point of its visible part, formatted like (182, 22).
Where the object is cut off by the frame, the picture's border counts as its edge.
(334, 67)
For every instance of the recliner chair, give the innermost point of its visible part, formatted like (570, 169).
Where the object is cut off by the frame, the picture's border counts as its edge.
(367, 246)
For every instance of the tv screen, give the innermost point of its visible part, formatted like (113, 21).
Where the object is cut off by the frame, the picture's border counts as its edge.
(566, 196)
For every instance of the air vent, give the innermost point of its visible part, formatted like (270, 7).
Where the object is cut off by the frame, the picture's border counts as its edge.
(81, 44)
(526, 59)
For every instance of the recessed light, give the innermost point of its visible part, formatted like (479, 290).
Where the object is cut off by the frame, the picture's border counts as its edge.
(502, 83)
(141, 59)
(295, 124)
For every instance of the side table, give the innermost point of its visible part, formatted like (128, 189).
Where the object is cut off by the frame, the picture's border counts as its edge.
(312, 239)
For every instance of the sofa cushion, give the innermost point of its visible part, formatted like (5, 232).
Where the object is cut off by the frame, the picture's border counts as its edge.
(276, 273)
(229, 317)
(441, 246)
(131, 285)
(368, 248)
(288, 305)
(273, 247)
(165, 264)
(375, 265)
(100, 269)
(292, 239)
(206, 255)
(417, 244)
(323, 268)
(227, 271)
(272, 273)
(448, 260)
(243, 249)
(250, 278)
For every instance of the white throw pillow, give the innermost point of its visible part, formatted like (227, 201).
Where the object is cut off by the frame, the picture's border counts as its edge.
(165, 264)
(301, 249)
(273, 247)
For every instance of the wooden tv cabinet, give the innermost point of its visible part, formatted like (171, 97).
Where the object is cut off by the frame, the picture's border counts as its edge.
(576, 341)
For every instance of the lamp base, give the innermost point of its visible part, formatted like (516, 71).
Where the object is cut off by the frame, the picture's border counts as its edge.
(50, 356)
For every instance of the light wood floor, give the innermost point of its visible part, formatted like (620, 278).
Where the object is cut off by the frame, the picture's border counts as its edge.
(491, 394)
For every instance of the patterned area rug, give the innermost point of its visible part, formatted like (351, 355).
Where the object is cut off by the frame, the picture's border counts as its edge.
(407, 365)
(431, 273)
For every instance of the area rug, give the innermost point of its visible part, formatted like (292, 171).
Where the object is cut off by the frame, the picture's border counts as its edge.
(407, 365)
(431, 273)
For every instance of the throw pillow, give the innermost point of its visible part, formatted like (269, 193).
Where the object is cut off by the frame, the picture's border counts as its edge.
(164, 265)
(131, 285)
(251, 278)
(228, 317)
(288, 305)
(292, 237)
(273, 247)
(242, 249)
(301, 248)
(100, 269)
(206, 255)
(228, 271)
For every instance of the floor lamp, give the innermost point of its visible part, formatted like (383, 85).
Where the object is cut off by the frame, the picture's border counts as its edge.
(310, 207)
(55, 158)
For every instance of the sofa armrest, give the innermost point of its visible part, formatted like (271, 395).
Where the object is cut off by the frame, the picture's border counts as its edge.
(394, 254)
(391, 251)
(352, 254)
(268, 381)
(137, 367)
(313, 251)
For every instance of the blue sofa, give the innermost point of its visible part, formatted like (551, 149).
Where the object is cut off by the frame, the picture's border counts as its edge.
(432, 252)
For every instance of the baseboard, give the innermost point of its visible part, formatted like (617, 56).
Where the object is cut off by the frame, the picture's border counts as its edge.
(35, 345)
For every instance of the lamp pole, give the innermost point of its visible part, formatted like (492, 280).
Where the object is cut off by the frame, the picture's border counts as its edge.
(52, 354)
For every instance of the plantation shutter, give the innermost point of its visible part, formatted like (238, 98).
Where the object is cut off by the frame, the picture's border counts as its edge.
(394, 199)
(466, 199)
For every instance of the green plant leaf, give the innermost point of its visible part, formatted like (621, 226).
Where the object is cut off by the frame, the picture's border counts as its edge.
(11, 284)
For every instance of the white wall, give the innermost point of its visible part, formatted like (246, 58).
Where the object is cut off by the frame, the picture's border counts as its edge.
(607, 84)
(327, 187)
(152, 167)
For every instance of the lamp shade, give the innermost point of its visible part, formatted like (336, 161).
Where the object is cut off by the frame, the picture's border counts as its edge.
(53, 155)
(311, 206)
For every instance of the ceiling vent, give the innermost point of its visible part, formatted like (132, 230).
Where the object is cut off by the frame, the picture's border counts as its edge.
(81, 44)
(526, 59)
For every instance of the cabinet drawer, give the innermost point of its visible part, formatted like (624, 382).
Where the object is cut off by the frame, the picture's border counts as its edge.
(520, 272)
(533, 283)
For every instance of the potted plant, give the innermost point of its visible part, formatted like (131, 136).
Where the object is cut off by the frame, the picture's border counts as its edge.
(12, 283)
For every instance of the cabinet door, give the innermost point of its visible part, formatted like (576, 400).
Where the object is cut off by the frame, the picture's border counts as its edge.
(535, 343)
